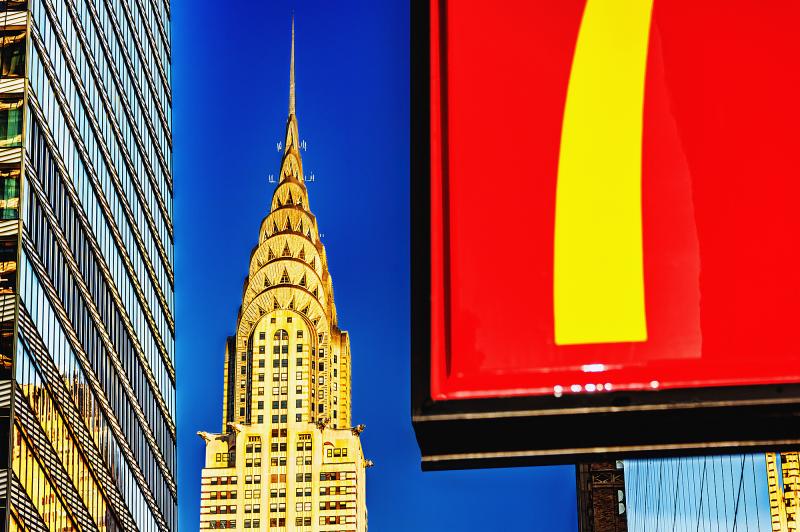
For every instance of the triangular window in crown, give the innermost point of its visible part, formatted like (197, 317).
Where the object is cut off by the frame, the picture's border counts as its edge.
(300, 226)
(288, 225)
(270, 254)
(274, 227)
(303, 280)
(285, 277)
(305, 310)
(316, 322)
(315, 292)
(267, 282)
(300, 202)
(291, 304)
(308, 233)
(302, 254)
(275, 304)
(314, 262)
(286, 251)
(289, 200)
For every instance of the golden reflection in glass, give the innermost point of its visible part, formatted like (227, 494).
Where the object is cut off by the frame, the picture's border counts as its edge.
(12, 48)
(56, 430)
(10, 122)
(13, 525)
(9, 193)
(32, 477)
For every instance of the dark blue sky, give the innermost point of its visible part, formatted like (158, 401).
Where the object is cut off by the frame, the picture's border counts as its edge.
(230, 90)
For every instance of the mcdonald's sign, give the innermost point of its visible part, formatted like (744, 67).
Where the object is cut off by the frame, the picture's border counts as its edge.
(605, 229)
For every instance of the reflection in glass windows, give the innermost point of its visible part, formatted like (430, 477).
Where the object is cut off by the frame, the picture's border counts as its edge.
(12, 52)
(60, 438)
(10, 122)
(33, 478)
(9, 192)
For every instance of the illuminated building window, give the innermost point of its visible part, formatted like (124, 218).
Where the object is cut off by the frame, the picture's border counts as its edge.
(11, 127)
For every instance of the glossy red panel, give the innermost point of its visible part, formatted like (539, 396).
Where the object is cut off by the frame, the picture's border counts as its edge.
(720, 189)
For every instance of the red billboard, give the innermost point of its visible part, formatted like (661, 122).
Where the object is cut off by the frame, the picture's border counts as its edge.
(606, 219)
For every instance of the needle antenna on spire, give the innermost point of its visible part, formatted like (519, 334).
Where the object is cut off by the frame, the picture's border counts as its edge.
(291, 75)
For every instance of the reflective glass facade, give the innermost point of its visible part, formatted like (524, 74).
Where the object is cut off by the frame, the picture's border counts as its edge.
(87, 378)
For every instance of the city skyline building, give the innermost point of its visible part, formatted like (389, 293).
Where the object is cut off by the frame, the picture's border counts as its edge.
(87, 348)
(288, 456)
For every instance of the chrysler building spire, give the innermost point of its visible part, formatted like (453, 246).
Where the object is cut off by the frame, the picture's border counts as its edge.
(291, 75)
(288, 446)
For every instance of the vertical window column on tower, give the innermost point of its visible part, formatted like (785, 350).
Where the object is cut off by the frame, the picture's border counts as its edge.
(8, 283)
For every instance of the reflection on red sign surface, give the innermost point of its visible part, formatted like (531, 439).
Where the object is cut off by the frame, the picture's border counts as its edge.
(720, 188)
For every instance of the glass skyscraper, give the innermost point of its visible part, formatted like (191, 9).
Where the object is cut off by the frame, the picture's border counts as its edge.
(87, 378)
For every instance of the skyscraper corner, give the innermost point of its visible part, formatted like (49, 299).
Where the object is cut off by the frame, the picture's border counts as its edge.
(288, 456)
(87, 348)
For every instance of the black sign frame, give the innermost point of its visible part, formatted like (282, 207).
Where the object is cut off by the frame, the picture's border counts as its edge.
(458, 434)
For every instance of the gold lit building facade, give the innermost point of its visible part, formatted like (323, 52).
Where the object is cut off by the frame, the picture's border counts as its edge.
(288, 456)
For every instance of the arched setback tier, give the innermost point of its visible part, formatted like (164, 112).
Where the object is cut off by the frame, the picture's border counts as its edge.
(288, 246)
(281, 297)
(290, 192)
(290, 218)
(292, 167)
(293, 272)
(289, 221)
